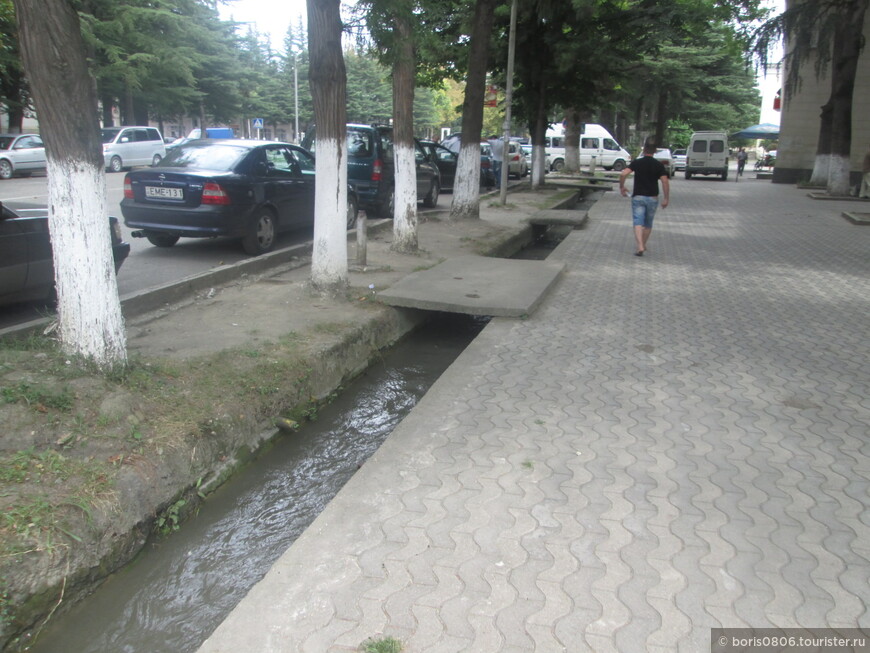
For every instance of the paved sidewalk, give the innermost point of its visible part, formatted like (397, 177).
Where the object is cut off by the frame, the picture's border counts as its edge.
(671, 443)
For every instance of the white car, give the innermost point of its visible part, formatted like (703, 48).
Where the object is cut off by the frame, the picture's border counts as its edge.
(21, 154)
(664, 155)
(124, 147)
(680, 159)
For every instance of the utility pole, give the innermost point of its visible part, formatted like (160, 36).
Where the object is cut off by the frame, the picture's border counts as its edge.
(508, 97)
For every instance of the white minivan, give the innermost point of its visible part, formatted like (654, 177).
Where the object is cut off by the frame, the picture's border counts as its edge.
(124, 147)
(595, 141)
(707, 155)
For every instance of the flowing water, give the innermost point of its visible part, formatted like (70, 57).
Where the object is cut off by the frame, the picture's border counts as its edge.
(182, 586)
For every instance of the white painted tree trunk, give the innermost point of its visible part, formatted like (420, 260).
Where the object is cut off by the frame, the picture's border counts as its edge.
(405, 210)
(89, 311)
(821, 168)
(838, 175)
(466, 185)
(329, 253)
(539, 164)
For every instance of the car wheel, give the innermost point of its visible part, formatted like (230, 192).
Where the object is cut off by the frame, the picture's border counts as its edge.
(618, 165)
(261, 234)
(558, 164)
(352, 210)
(725, 176)
(432, 198)
(160, 240)
(156, 160)
(5, 169)
(115, 164)
(688, 175)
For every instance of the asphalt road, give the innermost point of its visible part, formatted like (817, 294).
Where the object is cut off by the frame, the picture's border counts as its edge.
(147, 266)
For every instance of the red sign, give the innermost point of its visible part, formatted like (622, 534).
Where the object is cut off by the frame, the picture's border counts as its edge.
(491, 97)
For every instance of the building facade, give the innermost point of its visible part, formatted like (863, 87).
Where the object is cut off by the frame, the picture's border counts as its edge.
(799, 125)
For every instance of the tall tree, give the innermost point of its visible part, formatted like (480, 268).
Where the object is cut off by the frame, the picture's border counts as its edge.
(466, 188)
(14, 93)
(329, 91)
(53, 53)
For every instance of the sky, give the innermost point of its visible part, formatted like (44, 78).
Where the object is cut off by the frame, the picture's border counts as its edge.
(271, 17)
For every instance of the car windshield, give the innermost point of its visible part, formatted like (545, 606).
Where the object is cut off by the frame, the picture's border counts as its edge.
(208, 156)
(108, 134)
(6, 142)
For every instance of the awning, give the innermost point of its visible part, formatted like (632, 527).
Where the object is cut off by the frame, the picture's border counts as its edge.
(764, 130)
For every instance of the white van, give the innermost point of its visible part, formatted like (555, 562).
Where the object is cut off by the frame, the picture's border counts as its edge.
(124, 147)
(707, 154)
(595, 141)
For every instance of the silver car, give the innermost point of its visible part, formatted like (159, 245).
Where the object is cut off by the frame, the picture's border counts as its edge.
(21, 154)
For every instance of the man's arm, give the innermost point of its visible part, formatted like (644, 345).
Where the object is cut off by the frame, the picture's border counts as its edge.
(622, 177)
(666, 190)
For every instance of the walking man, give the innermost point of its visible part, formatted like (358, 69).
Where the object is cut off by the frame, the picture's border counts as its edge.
(645, 195)
(741, 161)
(497, 147)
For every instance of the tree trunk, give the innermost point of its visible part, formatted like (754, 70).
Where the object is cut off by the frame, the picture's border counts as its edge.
(844, 67)
(89, 311)
(466, 190)
(328, 81)
(573, 131)
(822, 162)
(539, 152)
(405, 210)
(661, 118)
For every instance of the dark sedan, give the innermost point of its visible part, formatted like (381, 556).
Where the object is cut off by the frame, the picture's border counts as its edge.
(446, 160)
(250, 190)
(26, 265)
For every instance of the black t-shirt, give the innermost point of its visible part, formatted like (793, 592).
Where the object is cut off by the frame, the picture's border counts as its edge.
(647, 171)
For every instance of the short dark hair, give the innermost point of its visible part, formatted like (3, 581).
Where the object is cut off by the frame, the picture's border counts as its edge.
(649, 147)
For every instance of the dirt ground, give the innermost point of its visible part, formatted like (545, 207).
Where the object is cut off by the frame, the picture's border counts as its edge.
(91, 464)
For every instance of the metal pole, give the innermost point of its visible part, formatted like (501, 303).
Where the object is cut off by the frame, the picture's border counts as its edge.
(508, 96)
(296, 98)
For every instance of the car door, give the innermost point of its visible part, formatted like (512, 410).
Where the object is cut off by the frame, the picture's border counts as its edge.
(13, 254)
(28, 153)
(284, 186)
(426, 171)
(446, 162)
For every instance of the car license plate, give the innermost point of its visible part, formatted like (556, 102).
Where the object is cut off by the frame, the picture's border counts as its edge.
(164, 193)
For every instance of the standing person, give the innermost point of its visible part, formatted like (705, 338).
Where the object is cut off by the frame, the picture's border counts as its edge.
(741, 161)
(497, 146)
(645, 195)
(865, 180)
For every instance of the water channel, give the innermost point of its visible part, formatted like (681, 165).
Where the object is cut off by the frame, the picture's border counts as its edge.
(182, 586)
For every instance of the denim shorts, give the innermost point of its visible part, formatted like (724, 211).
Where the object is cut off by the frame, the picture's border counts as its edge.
(643, 210)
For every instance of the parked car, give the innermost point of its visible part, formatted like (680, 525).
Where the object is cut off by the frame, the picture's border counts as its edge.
(446, 161)
(236, 188)
(516, 160)
(21, 154)
(371, 170)
(125, 147)
(26, 265)
(680, 159)
(527, 149)
(664, 155)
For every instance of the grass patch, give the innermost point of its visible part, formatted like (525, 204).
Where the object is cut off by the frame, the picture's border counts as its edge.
(38, 397)
(381, 645)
